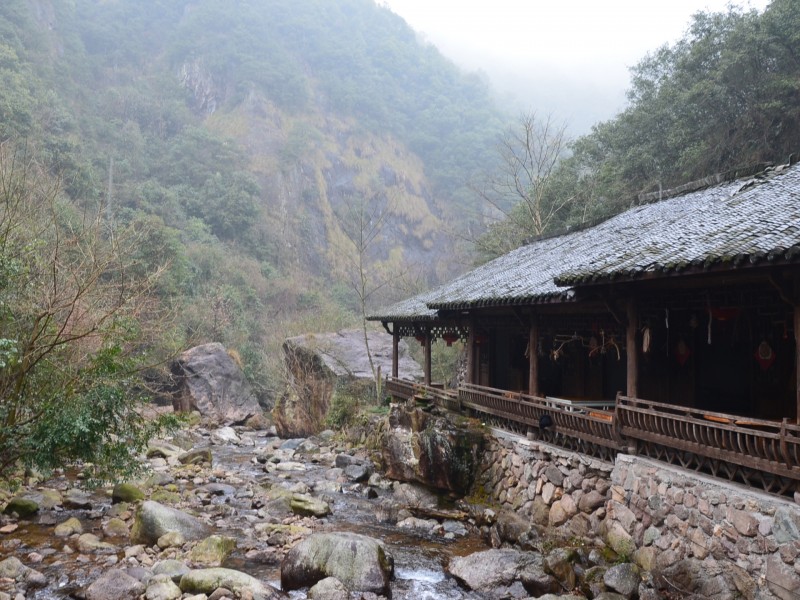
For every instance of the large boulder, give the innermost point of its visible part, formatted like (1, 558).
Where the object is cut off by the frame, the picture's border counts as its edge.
(154, 520)
(361, 563)
(212, 382)
(324, 365)
(205, 581)
(114, 585)
(495, 571)
(432, 450)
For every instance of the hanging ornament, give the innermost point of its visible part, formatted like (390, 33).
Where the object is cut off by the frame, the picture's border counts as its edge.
(450, 337)
(646, 340)
(765, 355)
(682, 352)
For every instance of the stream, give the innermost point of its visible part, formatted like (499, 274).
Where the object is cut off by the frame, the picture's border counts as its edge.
(420, 555)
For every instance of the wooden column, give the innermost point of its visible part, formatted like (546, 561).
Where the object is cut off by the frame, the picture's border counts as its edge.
(797, 357)
(470, 375)
(428, 358)
(395, 352)
(533, 358)
(632, 350)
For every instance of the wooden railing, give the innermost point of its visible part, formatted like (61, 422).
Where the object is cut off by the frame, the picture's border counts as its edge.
(740, 448)
(757, 452)
(406, 390)
(587, 430)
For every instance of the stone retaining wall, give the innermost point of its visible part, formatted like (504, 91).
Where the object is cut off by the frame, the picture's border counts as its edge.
(652, 513)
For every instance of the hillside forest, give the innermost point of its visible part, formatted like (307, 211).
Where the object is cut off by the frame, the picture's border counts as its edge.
(174, 172)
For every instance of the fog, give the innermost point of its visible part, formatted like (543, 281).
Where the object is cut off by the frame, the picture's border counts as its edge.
(569, 58)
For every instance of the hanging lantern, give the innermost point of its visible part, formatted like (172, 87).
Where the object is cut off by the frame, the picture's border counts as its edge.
(450, 337)
(765, 355)
(481, 338)
(646, 340)
(682, 352)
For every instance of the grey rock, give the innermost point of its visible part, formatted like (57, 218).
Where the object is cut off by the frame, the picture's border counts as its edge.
(76, 499)
(491, 570)
(175, 569)
(787, 525)
(623, 579)
(114, 585)
(212, 383)
(361, 563)
(357, 473)
(329, 588)
(205, 581)
(154, 520)
(782, 579)
(322, 365)
(162, 587)
(305, 505)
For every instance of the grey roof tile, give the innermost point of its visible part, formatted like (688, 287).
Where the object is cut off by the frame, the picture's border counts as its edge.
(733, 222)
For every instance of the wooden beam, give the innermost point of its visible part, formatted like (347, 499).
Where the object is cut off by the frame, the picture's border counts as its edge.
(395, 354)
(470, 376)
(533, 358)
(428, 358)
(797, 358)
(632, 350)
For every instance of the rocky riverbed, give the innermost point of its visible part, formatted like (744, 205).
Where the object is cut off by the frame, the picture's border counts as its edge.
(240, 512)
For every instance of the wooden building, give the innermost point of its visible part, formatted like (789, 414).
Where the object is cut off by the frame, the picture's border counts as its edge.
(688, 304)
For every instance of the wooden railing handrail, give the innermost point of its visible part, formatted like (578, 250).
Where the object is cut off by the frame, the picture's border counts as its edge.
(763, 445)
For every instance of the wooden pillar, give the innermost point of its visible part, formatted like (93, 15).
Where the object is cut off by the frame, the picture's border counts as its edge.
(797, 358)
(632, 351)
(470, 376)
(428, 358)
(395, 352)
(533, 358)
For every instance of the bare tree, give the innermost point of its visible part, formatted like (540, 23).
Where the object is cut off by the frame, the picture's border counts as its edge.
(521, 191)
(76, 305)
(362, 221)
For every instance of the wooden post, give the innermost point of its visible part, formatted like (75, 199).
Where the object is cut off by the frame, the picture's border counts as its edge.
(632, 350)
(533, 358)
(428, 358)
(797, 358)
(470, 376)
(395, 353)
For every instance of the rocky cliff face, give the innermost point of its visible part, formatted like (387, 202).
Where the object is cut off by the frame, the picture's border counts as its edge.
(322, 365)
(432, 450)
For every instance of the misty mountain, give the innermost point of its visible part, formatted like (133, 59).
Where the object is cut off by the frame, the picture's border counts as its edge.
(243, 137)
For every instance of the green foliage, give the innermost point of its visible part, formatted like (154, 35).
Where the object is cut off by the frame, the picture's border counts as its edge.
(723, 97)
(343, 411)
(78, 324)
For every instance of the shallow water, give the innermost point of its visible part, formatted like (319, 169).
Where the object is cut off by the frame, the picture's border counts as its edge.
(420, 558)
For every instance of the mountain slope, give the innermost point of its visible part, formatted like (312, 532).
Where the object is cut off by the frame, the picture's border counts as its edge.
(246, 135)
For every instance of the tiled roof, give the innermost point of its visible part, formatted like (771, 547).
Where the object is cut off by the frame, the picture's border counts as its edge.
(751, 220)
(738, 222)
(412, 309)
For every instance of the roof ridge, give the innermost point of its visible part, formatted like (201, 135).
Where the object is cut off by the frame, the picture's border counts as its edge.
(751, 171)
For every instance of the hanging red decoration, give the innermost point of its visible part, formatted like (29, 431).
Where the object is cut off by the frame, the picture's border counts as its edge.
(481, 338)
(682, 352)
(450, 338)
(420, 338)
(725, 313)
(765, 355)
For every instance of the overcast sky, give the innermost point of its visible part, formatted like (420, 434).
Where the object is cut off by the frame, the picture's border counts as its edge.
(565, 57)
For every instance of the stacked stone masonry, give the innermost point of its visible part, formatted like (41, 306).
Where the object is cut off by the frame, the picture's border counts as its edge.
(652, 513)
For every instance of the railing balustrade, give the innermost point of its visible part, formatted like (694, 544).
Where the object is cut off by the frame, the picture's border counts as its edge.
(749, 450)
